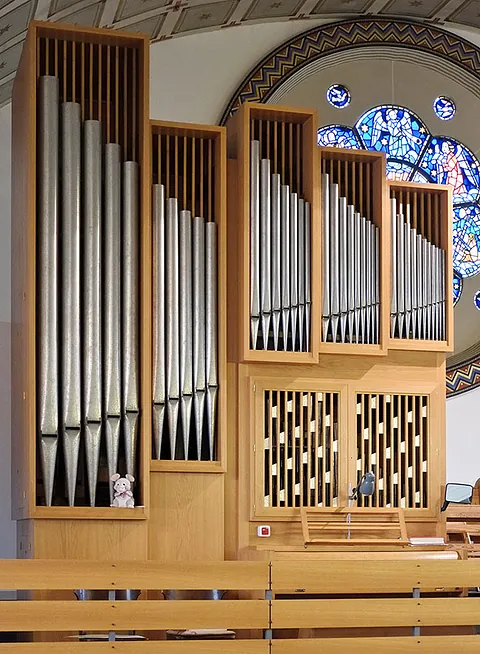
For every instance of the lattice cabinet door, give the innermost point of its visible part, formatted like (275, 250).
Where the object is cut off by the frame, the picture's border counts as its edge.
(394, 438)
(300, 449)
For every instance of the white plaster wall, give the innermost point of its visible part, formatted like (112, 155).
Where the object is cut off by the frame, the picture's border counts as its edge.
(192, 78)
(463, 438)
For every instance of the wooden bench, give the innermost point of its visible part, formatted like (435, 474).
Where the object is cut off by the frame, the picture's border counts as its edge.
(347, 596)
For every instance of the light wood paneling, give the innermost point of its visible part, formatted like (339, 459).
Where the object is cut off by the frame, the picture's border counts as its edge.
(152, 614)
(94, 540)
(186, 517)
(328, 614)
(370, 577)
(180, 647)
(427, 645)
(146, 575)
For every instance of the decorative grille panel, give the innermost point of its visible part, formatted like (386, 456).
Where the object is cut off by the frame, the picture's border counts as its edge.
(392, 442)
(300, 449)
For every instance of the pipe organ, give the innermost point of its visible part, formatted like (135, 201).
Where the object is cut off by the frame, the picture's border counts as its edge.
(235, 389)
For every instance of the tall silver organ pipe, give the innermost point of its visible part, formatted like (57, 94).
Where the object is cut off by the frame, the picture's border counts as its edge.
(211, 332)
(301, 273)
(276, 258)
(71, 352)
(308, 274)
(418, 281)
(285, 260)
(172, 319)
(47, 252)
(92, 274)
(159, 360)
(254, 241)
(265, 250)
(326, 256)
(351, 270)
(111, 288)
(186, 326)
(130, 277)
(199, 345)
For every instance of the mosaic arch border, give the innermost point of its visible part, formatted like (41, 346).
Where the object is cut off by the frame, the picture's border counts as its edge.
(284, 61)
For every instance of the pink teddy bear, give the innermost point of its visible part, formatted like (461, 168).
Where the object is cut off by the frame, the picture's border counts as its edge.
(123, 496)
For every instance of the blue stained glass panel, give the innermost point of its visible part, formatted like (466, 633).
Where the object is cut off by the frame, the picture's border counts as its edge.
(450, 162)
(338, 96)
(476, 300)
(421, 178)
(457, 288)
(338, 136)
(394, 130)
(444, 108)
(466, 240)
(399, 171)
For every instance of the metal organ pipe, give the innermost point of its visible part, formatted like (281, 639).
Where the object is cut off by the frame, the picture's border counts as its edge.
(301, 272)
(47, 225)
(276, 258)
(211, 332)
(186, 327)
(112, 300)
(285, 260)
(265, 250)
(254, 241)
(159, 360)
(199, 360)
(71, 353)
(92, 299)
(172, 319)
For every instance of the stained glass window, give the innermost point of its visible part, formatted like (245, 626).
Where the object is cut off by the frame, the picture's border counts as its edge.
(414, 154)
(476, 300)
(457, 288)
(444, 108)
(338, 96)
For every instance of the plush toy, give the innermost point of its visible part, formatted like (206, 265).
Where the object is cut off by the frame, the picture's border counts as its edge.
(123, 496)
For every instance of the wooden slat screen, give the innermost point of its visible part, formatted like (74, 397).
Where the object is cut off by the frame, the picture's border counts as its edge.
(392, 442)
(301, 448)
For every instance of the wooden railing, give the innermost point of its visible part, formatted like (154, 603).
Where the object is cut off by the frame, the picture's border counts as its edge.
(260, 607)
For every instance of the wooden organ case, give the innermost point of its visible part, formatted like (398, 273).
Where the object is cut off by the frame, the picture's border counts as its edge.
(118, 308)
(340, 315)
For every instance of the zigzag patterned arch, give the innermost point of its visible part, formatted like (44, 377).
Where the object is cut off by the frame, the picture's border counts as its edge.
(284, 61)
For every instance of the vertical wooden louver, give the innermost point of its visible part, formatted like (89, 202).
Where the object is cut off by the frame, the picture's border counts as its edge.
(392, 442)
(301, 453)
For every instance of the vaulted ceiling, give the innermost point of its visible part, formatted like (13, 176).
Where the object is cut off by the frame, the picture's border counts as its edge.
(166, 19)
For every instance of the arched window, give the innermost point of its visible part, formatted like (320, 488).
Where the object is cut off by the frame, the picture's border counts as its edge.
(413, 154)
